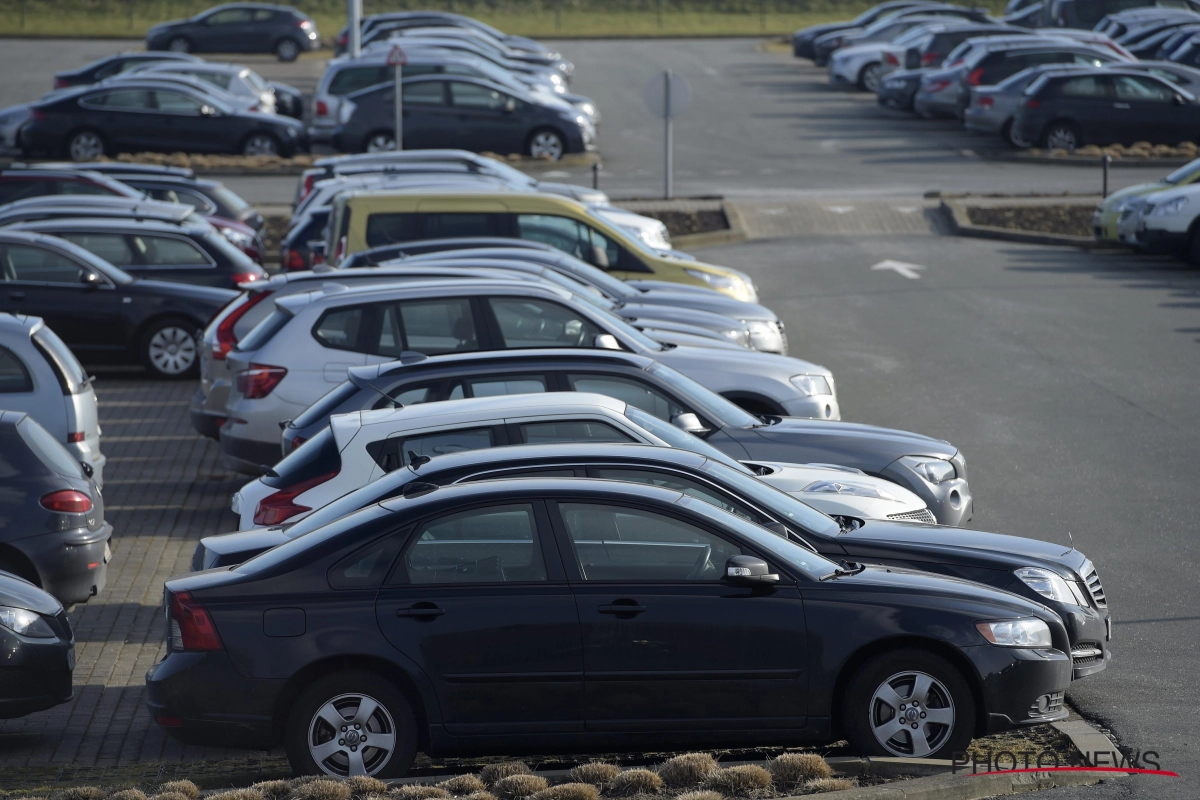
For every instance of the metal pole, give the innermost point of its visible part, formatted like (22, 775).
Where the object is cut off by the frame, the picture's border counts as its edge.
(558, 15)
(596, 175)
(354, 23)
(1105, 162)
(399, 107)
(667, 133)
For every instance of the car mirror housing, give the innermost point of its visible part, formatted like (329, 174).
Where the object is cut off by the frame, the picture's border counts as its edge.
(690, 423)
(606, 341)
(749, 571)
(90, 279)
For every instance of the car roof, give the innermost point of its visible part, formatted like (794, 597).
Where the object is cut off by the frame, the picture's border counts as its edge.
(389, 369)
(134, 206)
(120, 224)
(402, 156)
(115, 169)
(567, 452)
(172, 180)
(205, 66)
(478, 408)
(335, 294)
(549, 200)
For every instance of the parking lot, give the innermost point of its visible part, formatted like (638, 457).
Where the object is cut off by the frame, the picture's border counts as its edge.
(1068, 378)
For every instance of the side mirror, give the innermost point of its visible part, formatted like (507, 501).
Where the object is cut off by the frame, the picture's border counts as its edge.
(207, 111)
(90, 279)
(510, 106)
(690, 423)
(749, 571)
(600, 257)
(606, 341)
(912, 58)
(87, 468)
(777, 528)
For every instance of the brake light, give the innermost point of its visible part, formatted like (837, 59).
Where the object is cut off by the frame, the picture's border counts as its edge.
(292, 259)
(253, 107)
(929, 58)
(192, 628)
(245, 277)
(1032, 103)
(955, 62)
(984, 102)
(60, 83)
(259, 381)
(304, 23)
(322, 111)
(975, 77)
(275, 508)
(37, 115)
(67, 501)
(74, 437)
(297, 441)
(311, 177)
(891, 59)
(226, 338)
(344, 39)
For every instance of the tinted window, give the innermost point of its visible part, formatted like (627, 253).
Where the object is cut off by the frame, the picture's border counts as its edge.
(540, 323)
(66, 367)
(498, 544)
(316, 457)
(48, 450)
(429, 326)
(705, 401)
(80, 187)
(352, 79)
(118, 101)
(406, 227)
(613, 543)
(112, 247)
(509, 384)
(470, 95)
(677, 437)
(396, 451)
(16, 189)
(1090, 86)
(1143, 90)
(24, 263)
(785, 507)
(325, 406)
(339, 328)
(170, 250)
(634, 392)
(264, 331)
(219, 79)
(570, 236)
(14, 377)
(177, 103)
(229, 16)
(193, 199)
(571, 431)
(367, 567)
(425, 93)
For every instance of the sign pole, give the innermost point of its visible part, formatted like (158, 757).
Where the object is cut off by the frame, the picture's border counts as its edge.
(397, 59)
(667, 134)
(354, 20)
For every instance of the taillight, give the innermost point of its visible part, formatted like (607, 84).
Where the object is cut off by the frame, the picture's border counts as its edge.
(253, 107)
(275, 508)
(259, 381)
(309, 179)
(929, 58)
(245, 277)
(322, 111)
(303, 23)
(954, 63)
(74, 437)
(37, 115)
(1033, 103)
(225, 335)
(297, 441)
(891, 59)
(344, 39)
(975, 77)
(292, 259)
(984, 102)
(60, 83)
(192, 628)
(67, 501)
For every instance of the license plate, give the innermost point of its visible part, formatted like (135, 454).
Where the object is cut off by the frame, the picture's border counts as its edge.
(71, 658)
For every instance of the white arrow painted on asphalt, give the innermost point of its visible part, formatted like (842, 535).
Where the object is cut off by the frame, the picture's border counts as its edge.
(903, 268)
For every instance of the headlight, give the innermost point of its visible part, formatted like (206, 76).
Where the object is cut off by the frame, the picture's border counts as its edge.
(1048, 584)
(934, 470)
(811, 385)
(1170, 208)
(587, 108)
(238, 238)
(25, 622)
(765, 335)
(736, 335)
(853, 489)
(557, 79)
(1017, 633)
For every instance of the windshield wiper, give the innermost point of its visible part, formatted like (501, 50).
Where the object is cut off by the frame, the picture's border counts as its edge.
(847, 569)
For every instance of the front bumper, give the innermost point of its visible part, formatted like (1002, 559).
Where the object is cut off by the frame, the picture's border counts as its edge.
(1015, 679)
(1161, 241)
(37, 672)
(181, 697)
(72, 565)
(897, 94)
(843, 72)
(950, 501)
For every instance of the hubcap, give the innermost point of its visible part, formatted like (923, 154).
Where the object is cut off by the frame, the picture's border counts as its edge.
(352, 734)
(287, 50)
(1061, 139)
(911, 714)
(86, 146)
(380, 143)
(260, 146)
(172, 351)
(178, 46)
(546, 144)
(871, 78)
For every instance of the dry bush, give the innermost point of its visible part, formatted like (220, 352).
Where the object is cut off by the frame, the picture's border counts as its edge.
(237, 794)
(569, 791)
(321, 789)
(128, 794)
(271, 790)
(747, 780)
(516, 787)
(701, 794)
(829, 785)
(495, 772)
(688, 770)
(462, 785)
(170, 796)
(303, 780)
(635, 781)
(480, 796)
(597, 773)
(78, 793)
(185, 788)
(792, 769)
(362, 785)
(417, 791)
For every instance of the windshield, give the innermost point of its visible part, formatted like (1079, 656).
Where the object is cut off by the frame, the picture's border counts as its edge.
(705, 401)
(780, 504)
(1185, 174)
(777, 548)
(678, 438)
(255, 80)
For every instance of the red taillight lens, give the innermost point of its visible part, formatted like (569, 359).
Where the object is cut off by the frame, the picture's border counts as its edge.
(275, 508)
(297, 441)
(192, 628)
(74, 437)
(929, 58)
(1033, 103)
(259, 381)
(953, 63)
(292, 259)
(225, 335)
(303, 23)
(60, 83)
(984, 102)
(37, 115)
(344, 39)
(309, 179)
(975, 77)
(322, 111)
(67, 501)
(891, 59)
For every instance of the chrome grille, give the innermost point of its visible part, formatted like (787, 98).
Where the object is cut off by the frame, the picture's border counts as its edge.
(1086, 653)
(1092, 581)
(924, 515)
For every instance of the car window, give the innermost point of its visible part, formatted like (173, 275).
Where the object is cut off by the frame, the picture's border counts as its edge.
(131, 100)
(526, 322)
(80, 187)
(680, 483)
(425, 93)
(1089, 86)
(505, 385)
(406, 227)
(428, 326)
(571, 236)
(678, 438)
(471, 95)
(264, 331)
(112, 247)
(339, 328)
(24, 263)
(498, 544)
(195, 200)
(48, 450)
(14, 376)
(352, 79)
(561, 431)
(1144, 90)
(169, 250)
(396, 451)
(366, 567)
(177, 103)
(264, 15)
(229, 16)
(634, 392)
(614, 543)
(408, 396)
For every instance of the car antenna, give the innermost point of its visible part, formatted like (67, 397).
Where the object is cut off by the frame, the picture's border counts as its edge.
(385, 395)
(416, 462)
(1072, 538)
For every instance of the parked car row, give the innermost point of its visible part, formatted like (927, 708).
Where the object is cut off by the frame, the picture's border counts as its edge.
(1131, 79)
(1157, 217)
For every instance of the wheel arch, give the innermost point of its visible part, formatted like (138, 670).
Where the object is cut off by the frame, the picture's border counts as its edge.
(388, 670)
(935, 646)
(22, 567)
(366, 139)
(260, 132)
(759, 403)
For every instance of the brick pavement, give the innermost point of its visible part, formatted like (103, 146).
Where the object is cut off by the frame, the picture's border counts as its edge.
(164, 489)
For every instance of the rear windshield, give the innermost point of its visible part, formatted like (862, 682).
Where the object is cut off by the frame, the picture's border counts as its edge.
(229, 199)
(70, 373)
(316, 457)
(48, 450)
(214, 241)
(264, 331)
(326, 405)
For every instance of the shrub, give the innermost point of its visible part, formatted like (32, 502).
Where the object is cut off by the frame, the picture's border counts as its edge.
(170, 796)
(701, 794)
(78, 793)
(495, 772)
(417, 791)
(635, 781)
(792, 769)
(185, 788)
(271, 790)
(516, 787)
(480, 796)
(237, 794)
(688, 770)
(462, 785)
(321, 789)
(128, 794)
(829, 785)
(747, 780)
(597, 773)
(362, 785)
(569, 791)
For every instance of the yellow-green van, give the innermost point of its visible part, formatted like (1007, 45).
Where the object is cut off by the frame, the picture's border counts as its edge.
(361, 220)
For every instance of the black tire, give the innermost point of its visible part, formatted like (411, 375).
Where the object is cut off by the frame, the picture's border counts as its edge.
(1006, 131)
(180, 44)
(85, 144)
(1061, 134)
(170, 349)
(870, 77)
(260, 143)
(342, 692)
(949, 697)
(286, 50)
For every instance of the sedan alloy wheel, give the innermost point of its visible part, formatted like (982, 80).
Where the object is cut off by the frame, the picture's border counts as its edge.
(546, 144)
(381, 143)
(172, 351)
(260, 144)
(352, 734)
(870, 77)
(179, 45)
(85, 146)
(287, 50)
(1061, 136)
(912, 714)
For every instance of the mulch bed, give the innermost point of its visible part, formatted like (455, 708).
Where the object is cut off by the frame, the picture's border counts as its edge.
(683, 223)
(1071, 220)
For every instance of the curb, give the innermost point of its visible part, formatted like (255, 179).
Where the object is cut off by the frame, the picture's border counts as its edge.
(1093, 161)
(968, 787)
(961, 225)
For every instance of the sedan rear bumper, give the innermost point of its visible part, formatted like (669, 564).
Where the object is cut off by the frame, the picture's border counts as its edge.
(241, 714)
(72, 565)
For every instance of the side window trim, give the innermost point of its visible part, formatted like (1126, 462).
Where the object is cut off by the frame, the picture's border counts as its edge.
(733, 500)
